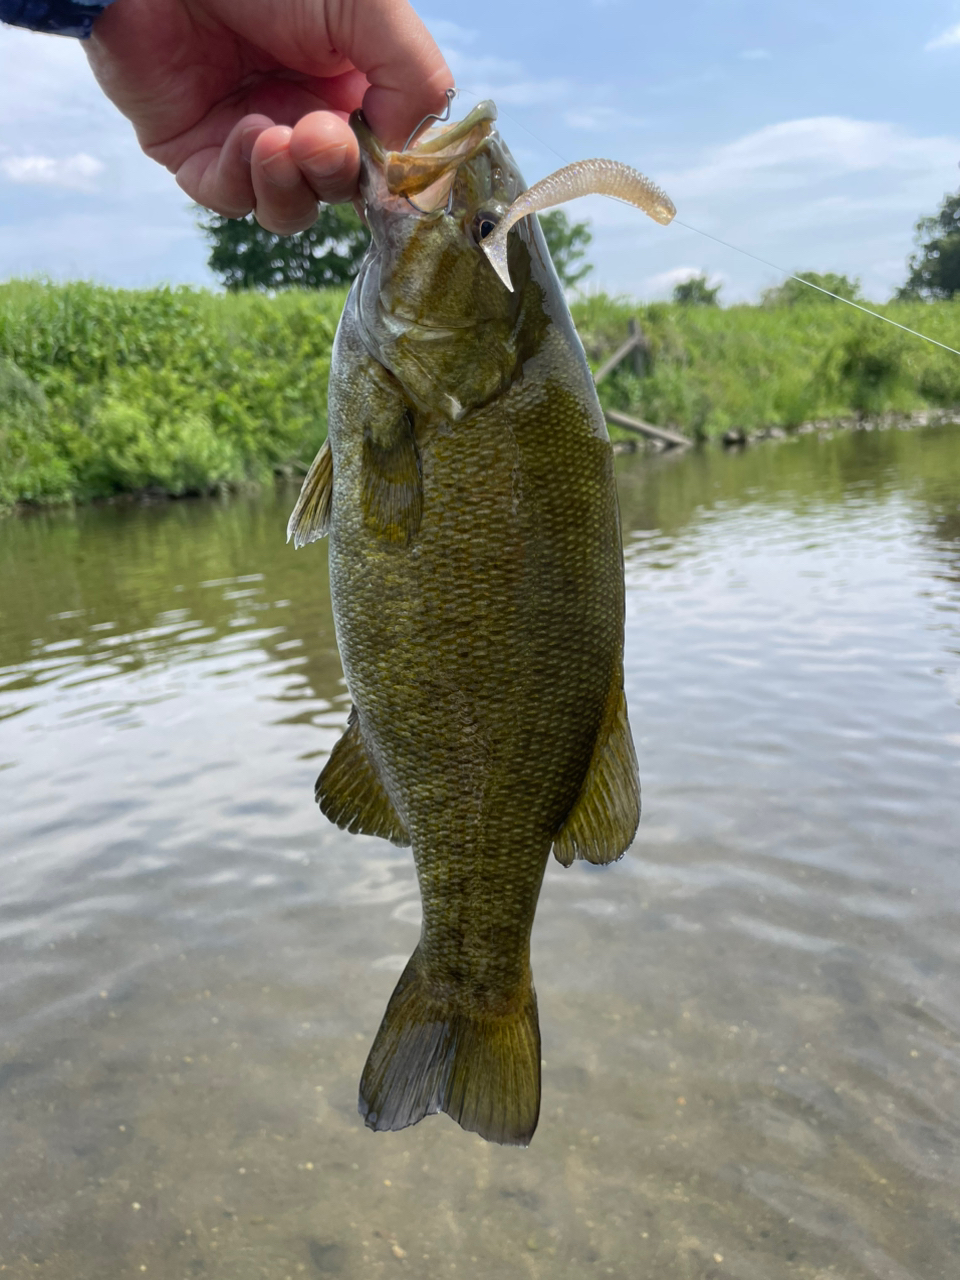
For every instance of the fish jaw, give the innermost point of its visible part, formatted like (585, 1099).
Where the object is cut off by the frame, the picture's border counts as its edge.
(427, 304)
(429, 208)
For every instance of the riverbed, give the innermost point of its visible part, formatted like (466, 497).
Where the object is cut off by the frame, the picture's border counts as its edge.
(751, 1023)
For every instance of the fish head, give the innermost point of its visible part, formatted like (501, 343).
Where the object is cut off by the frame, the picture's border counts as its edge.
(429, 305)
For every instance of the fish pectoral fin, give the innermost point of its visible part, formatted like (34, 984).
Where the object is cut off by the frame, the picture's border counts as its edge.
(350, 793)
(604, 820)
(392, 484)
(310, 518)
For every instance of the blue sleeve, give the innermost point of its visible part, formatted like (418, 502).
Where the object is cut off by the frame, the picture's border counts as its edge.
(58, 17)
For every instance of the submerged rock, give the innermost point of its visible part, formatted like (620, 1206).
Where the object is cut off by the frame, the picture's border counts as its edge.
(733, 438)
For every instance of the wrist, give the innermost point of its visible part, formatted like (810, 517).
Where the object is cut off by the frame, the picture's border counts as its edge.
(55, 17)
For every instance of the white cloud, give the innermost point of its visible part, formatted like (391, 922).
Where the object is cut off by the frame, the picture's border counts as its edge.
(503, 80)
(487, 76)
(599, 117)
(823, 193)
(75, 172)
(946, 38)
(665, 281)
(755, 55)
(797, 153)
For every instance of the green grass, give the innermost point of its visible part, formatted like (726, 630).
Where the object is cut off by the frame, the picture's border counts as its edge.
(107, 391)
(754, 366)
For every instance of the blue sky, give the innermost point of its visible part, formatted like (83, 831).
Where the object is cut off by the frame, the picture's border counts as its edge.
(810, 134)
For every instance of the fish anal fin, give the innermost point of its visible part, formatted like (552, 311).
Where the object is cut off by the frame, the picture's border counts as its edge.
(310, 518)
(482, 1069)
(350, 793)
(391, 482)
(604, 819)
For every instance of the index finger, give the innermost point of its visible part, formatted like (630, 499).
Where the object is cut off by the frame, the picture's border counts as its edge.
(382, 39)
(408, 74)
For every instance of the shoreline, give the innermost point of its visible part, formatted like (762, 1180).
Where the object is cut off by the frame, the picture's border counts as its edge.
(736, 439)
(733, 441)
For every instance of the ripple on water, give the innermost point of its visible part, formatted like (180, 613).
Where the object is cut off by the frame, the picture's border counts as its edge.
(751, 1023)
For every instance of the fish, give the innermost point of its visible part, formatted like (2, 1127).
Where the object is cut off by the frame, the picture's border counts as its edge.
(467, 491)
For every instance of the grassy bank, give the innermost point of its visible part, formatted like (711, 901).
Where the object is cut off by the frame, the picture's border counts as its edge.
(749, 366)
(108, 391)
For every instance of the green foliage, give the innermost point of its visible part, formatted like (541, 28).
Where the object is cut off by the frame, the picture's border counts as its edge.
(105, 391)
(710, 368)
(792, 293)
(935, 267)
(27, 460)
(567, 242)
(244, 255)
(696, 292)
(872, 370)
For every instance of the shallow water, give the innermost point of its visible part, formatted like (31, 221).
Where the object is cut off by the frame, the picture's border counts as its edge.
(751, 1024)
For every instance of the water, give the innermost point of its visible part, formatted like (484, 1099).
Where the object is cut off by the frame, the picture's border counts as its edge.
(751, 1025)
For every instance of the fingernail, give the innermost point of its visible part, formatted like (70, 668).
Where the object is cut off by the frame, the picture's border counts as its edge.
(327, 161)
(281, 171)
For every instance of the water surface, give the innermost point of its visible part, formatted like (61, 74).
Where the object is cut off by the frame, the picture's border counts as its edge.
(751, 1024)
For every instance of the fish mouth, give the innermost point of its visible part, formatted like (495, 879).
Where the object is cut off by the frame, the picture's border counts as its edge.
(429, 168)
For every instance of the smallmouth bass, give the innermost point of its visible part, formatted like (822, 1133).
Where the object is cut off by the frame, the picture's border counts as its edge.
(477, 580)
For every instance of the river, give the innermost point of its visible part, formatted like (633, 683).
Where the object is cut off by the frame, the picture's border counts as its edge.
(751, 1024)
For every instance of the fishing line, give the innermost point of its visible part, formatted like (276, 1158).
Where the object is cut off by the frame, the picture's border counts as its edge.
(746, 252)
(790, 276)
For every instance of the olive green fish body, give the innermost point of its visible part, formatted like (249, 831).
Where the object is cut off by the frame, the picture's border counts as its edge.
(476, 573)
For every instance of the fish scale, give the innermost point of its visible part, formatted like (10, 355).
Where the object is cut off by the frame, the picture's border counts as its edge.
(477, 579)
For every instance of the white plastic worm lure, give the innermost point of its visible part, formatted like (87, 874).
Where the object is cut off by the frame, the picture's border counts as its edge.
(584, 178)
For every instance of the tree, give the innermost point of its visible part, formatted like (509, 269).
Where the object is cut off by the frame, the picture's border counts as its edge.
(696, 292)
(935, 267)
(792, 291)
(246, 256)
(567, 242)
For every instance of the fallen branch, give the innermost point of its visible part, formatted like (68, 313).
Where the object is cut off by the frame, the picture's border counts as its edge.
(672, 438)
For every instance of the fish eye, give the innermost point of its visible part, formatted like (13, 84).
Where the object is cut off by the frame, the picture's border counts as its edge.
(486, 225)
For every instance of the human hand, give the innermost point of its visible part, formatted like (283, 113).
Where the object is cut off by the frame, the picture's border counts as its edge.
(247, 101)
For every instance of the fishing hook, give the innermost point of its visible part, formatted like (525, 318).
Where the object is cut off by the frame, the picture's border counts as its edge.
(440, 119)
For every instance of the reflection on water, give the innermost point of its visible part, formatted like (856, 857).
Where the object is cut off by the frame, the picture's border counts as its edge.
(751, 1024)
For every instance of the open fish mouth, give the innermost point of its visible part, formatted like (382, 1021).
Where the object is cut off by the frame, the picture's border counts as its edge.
(427, 169)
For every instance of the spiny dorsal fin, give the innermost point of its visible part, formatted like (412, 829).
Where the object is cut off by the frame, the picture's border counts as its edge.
(310, 518)
(350, 793)
(392, 487)
(604, 819)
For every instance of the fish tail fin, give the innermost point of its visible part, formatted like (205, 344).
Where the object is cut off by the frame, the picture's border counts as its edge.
(483, 1070)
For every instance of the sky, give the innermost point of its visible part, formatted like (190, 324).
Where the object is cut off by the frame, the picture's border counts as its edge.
(812, 135)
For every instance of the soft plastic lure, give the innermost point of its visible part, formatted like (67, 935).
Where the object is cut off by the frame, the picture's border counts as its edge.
(584, 178)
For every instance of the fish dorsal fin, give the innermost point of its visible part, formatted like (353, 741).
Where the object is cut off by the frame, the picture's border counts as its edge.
(310, 518)
(392, 485)
(604, 820)
(350, 793)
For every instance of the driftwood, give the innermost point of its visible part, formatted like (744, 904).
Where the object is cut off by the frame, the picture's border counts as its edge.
(621, 353)
(637, 346)
(671, 438)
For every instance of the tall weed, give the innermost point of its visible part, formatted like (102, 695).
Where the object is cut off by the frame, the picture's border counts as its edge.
(108, 390)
